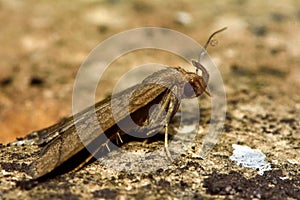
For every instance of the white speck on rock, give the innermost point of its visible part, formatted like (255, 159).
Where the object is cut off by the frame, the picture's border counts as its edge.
(3, 172)
(250, 158)
(284, 178)
(293, 161)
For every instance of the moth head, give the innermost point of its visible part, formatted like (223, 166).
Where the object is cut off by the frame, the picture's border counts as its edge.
(195, 84)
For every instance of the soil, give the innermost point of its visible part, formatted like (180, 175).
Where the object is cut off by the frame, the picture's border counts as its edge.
(45, 42)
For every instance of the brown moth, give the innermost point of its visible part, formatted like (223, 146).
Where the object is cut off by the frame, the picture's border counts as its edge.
(166, 87)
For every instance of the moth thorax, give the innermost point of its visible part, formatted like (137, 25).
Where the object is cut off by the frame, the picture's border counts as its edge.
(194, 86)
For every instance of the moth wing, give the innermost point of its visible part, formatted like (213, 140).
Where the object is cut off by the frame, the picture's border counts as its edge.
(132, 98)
(83, 128)
(64, 141)
(46, 135)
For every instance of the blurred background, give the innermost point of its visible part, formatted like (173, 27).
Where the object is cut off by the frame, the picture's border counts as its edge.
(43, 44)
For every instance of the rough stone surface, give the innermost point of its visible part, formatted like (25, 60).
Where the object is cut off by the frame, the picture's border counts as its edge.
(44, 43)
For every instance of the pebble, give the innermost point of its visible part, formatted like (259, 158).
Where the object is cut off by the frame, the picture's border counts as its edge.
(183, 18)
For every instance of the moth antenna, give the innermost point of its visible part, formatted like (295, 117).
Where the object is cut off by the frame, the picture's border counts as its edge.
(212, 35)
(202, 52)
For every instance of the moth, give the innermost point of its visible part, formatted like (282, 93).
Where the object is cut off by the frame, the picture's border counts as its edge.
(163, 89)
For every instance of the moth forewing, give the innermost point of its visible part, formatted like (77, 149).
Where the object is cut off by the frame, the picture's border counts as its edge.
(80, 130)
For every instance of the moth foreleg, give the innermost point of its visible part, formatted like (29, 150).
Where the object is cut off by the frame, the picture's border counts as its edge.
(172, 108)
(160, 115)
(167, 143)
(163, 115)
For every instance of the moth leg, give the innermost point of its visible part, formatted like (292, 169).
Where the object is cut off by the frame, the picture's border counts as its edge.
(169, 105)
(119, 137)
(167, 144)
(172, 108)
(160, 117)
(106, 145)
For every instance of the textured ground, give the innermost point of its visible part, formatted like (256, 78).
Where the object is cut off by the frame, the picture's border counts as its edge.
(44, 43)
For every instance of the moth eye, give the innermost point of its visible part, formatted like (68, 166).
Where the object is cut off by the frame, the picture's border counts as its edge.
(188, 90)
